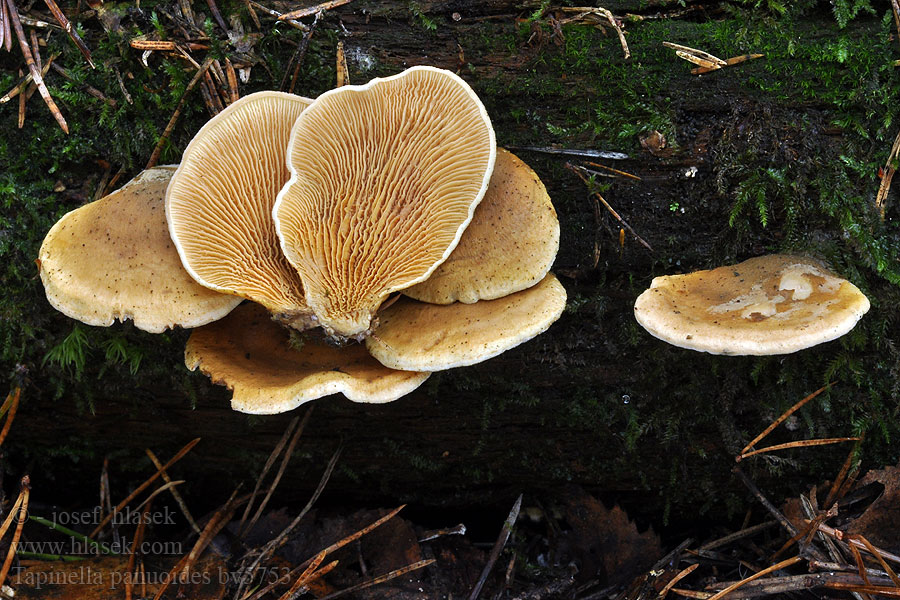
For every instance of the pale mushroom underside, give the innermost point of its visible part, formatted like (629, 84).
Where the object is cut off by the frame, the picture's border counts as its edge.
(384, 179)
(219, 204)
(255, 357)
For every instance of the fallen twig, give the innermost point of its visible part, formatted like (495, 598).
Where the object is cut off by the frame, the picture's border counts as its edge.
(32, 66)
(738, 535)
(22, 85)
(19, 510)
(299, 55)
(343, 76)
(67, 27)
(796, 444)
(332, 548)
(274, 13)
(573, 152)
(282, 537)
(305, 577)
(214, 9)
(767, 570)
(705, 61)
(305, 12)
(728, 62)
(178, 456)
(614, 171)
(175, 494)
(769, 586)
(835, 493)
(579, 171)
(784, 416)
(281, 469)
(5, 31)
(765, 502)
(887, 174)
(9, 408)
(498, 547)
(584, 11)
(684, 573)
(154, 157)
(213, 527)
(380, 579)
(135, 546)
(853, 541)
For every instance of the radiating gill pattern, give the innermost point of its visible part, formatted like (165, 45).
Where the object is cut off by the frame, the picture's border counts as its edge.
(385, 181)
(220, 202)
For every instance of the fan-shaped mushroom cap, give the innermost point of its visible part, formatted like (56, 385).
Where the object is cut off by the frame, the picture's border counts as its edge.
(384, 179)
(253, 356)
(509, 245)
(417, 336)
(773, 304)
(113, 259)
(219, 203)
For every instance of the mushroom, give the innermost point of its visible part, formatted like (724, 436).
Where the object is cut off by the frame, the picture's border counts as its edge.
(338, 240)
(417, 336)
(509, 245)
(219, 204)
(113, 259)
(385, 178)
(773, 304)
(253, 356)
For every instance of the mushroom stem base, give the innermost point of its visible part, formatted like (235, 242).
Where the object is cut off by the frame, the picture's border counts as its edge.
(299, 319)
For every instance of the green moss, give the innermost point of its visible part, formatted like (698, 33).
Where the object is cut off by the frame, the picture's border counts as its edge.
(793, 143)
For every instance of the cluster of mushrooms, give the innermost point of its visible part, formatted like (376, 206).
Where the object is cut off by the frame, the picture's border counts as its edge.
(377, 231)
(384, 218)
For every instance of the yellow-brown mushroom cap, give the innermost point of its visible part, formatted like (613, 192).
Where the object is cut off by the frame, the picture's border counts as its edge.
(773, 304)
(219, 204)
(429, 337)
(509, 245)
(253, 356)
(385, 178)
(113, 259)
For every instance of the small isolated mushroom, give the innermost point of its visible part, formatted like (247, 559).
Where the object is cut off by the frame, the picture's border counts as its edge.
(385, 178)
(509, 245)
(113, 259)
(219, 204)
(417, 336)
(773, 304)
(253, 356)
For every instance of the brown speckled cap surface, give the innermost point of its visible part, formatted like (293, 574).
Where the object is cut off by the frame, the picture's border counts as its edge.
(429, 337)
(773, 304)
(113, 259)
(509, 245)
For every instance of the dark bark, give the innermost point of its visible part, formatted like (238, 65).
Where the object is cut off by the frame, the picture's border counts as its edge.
(594, 400)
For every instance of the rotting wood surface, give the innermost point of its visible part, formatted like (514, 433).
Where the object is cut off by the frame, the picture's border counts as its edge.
(568, 405)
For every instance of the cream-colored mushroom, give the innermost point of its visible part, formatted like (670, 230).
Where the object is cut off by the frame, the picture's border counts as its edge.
(219, 204)
(113, 259)
(509, 245)
(385, 178)
(773, 304)
(414, 335)
(253, 356)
